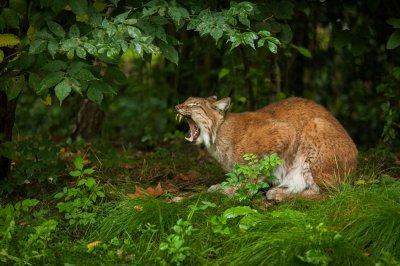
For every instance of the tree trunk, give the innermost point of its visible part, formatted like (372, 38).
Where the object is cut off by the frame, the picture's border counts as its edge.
(89, 120)
(7, 119)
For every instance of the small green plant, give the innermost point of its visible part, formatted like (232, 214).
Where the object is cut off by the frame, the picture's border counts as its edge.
(250, 217)
(79, 201)
(26, 249)
(175, 243)
(247, 178)
(37, 244)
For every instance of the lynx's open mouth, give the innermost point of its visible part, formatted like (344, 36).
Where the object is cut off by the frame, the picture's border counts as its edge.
(194, 130)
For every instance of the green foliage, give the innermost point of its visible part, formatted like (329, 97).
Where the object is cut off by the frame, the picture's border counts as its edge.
(250, 217)
(132, 216)
(248, 179)
(21, 245)
(37, 165)
(79, 202)
(174, 243)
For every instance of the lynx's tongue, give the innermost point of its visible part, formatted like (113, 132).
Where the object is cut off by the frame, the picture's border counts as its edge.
(194, 130)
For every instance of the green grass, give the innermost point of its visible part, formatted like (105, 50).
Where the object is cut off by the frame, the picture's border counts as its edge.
(353, 226)
(358, 224)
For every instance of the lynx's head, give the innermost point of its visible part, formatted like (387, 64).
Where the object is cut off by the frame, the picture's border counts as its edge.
(204, 115)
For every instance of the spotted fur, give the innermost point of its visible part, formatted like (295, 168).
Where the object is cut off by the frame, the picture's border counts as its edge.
(316, 148)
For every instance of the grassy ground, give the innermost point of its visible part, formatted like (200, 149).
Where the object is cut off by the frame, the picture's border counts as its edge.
(358, 224)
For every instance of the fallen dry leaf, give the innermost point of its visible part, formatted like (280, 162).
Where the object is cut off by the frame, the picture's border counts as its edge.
(190, 175)
(152, 192)
(193, 174)
(91, 245)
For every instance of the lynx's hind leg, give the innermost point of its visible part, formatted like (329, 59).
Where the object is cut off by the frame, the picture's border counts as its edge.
(298, 182)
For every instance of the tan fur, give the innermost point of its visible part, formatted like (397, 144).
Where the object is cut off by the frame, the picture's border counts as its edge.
(317, 150)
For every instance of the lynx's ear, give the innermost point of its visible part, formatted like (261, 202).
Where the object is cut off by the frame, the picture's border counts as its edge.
(223, 104)
(213, 97)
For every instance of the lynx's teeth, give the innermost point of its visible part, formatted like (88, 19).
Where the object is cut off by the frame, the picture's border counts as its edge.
(178, 117)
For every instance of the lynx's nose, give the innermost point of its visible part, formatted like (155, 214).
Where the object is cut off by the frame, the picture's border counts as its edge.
(177, 108)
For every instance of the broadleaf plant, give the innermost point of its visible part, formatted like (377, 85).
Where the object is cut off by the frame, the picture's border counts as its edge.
(250, 178)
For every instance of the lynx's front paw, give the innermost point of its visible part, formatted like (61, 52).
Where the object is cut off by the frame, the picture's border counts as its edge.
(229, 191)
(278, 194)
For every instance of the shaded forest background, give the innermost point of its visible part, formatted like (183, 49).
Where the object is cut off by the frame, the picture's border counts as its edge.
(119, 67)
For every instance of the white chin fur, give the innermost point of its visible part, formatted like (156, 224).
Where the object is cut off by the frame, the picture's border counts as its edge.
(204, 138)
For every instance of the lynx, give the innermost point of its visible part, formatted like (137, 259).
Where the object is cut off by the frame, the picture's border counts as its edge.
(316, 149)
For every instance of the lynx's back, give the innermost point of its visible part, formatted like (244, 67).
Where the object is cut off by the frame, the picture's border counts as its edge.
(317, 150)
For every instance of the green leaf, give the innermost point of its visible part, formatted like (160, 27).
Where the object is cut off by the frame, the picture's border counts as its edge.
(78, 163)
(134, 32)
(264, 33)
(169, 52)
(272, 47)
(79, 7)
(395, 22)
(75, 173)
(52, 47)
(95, 94)
(216, 33)
(90, 182)
(74, 31)
(88, 171)
(14, 86)
(11, 17)
(56, 29)
(82, 74)
(1, 55)
(244, 20)
(302, 50)
(62, 90)
(250, 220)
(34, 81)
(90, 48)
(59, 195)
(177, 14)
(70, 54)
(80, 52)
(50, 80)
(104, 87)
(38, 46)
(121, 17)
(394, 40)
(55, 65)
(238, 211)
(81, 182)
(249, 38)
(100, 194)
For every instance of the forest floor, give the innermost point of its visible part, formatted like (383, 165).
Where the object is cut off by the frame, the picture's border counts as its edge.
(115, 205)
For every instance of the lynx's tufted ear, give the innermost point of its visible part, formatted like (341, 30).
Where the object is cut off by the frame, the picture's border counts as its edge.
(223, 104)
